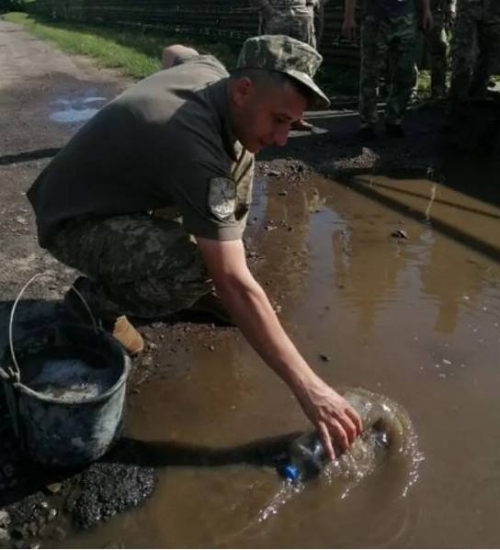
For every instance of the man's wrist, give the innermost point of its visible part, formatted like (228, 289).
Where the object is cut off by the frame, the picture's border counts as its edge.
(302, 380)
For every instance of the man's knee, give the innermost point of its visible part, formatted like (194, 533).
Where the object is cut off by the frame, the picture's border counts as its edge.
(175, 54)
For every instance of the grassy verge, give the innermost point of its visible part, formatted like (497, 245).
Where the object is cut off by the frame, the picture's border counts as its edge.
(134, 51)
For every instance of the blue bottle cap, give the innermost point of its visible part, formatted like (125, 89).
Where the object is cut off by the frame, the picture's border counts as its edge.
(290, 472)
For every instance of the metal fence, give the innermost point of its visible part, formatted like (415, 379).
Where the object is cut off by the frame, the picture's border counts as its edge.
(227, 21)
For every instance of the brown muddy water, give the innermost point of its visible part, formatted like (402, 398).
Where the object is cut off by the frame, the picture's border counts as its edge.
(415, 319)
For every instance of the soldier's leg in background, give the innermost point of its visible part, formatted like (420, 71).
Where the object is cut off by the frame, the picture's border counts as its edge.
(310, 30)
(493, 32)
(137, 265)
(301, 27)
(280, 23)
(319, 22)
(414, 91)
(480, 73)
(385, 77)
(439, 50)
(404, 43)
(487, 59)
(373, 58)
(422, 50)
(389, 72)
(463, 54)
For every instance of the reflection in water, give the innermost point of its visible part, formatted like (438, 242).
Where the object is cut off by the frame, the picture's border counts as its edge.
(451, 281)
(68, 115)
(367, 266)
(77, 108)
(431, 202)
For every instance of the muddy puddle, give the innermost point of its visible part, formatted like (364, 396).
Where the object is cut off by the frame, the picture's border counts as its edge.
(416, 319)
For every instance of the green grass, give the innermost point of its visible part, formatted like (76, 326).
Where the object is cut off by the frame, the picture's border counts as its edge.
(135, 51)
(424, 83)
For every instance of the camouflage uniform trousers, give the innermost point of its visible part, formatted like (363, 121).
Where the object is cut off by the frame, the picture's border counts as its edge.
(138, 265)
(475, 50)
(382, 39)
(319, 20)
(437, 41)
(292, 23)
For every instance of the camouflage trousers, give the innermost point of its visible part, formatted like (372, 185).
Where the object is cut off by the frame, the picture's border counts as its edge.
(383, 39)
(296, 25)
(475, 51)
(138, 265)
(437, 41)
(319, 22)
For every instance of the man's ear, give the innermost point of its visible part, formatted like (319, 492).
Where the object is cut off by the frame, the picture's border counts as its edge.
(243, 89)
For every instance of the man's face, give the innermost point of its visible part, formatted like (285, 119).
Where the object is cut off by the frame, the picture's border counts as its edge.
(262, 115)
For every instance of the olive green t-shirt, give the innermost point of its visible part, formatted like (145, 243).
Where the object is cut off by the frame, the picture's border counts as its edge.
(167, 143)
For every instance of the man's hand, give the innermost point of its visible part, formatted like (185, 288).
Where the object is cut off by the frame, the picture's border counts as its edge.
(349, 28)
(332, 416)
(427, 20)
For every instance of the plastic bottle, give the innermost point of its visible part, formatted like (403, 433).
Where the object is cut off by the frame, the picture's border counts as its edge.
(304, 460)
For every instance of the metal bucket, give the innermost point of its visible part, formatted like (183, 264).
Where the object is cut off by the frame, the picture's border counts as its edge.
(65, 389)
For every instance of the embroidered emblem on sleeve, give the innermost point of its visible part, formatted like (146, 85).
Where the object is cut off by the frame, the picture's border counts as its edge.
(222, 197)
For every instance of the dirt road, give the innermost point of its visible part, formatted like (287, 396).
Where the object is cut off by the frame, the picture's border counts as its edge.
(37, 82)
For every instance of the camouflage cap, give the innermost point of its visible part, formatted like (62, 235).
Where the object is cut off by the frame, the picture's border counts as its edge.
(285, 55)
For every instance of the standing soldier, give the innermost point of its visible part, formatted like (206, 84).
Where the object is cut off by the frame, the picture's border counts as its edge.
(294, 18)
(475, 49)
(443, 15)
(389, 28)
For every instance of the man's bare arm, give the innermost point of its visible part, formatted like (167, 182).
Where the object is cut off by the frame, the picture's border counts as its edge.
(349, 24)
(249, 306)
(427, 20)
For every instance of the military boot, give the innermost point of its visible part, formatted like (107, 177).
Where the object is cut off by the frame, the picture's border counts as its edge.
(119, 326)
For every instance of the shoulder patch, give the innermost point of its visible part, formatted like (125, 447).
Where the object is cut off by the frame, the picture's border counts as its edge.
(222, 197)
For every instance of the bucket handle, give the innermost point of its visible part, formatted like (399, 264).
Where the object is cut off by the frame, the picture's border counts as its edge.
(16, 372)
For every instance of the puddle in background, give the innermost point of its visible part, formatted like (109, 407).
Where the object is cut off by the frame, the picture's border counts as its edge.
(78, 108)
(417, 320)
